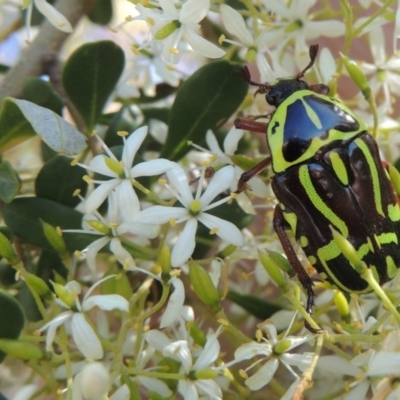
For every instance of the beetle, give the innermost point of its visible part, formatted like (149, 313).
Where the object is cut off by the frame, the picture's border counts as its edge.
(327, 173)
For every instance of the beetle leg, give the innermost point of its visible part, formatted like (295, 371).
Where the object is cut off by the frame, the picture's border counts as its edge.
(304, 278)
(246, 176)
(249, 124)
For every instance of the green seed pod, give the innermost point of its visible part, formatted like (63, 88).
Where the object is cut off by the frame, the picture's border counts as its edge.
(55, 239)
(38, 285)
(19, 349)
(7, 251)
(274, 271)
(342, 305)
(204, 287)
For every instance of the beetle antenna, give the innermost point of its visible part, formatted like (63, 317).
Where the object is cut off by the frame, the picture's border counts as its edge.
(244, 74)
(313, 55)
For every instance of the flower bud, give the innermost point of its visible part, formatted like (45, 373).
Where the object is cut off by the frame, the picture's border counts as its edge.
(7, 251)
(94, 381)
(38, 285)
(227, 251)
(357, 75)
(203, 286)
(349, 252)
(282, 347)
(99, 226)
(206, 374)
(282, 263)
(55, 239)
(274, 271)
(165, 261)
(64, 294)
(167, 30)
(342, 305)
(20, 349)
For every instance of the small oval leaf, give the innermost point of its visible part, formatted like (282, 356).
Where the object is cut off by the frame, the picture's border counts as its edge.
(10, 311)
(21, 119)
(10, 182)
(204, 101)
(90, 76)
(58, 180)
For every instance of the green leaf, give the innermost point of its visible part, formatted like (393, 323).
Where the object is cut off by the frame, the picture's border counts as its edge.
(58, 180)
(23, 216)
(42, 93)
(21, 119)
(90, 76)
(10, 182)
(204, 101)
(11, 313)
(254, 305)
(102, 12)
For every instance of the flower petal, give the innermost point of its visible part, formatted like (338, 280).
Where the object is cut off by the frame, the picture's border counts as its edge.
(220, 182)
(97, 197)
(154, 385)
(93, 249)
(235, 25)
(194, 11)
(209, 354)
(122, 255)
(133, 142)
(252, 349)
(157, 339)
(384, 363)
(180, 351)
(208, 388)
(175, 304)
(127, 200)
(157, 215)
(98, 165)
(201, 45)
(263, 375)
(225, 229)
(106, 302)
(152, 167)
(53, 16)
(122, 393)
(232, 140)
(85, 338)
(178, 179)
(52, 327)
(185, 244)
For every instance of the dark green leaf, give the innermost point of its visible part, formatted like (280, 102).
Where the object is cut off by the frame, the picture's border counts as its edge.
(2, 397)
(254, 305)
(204, 101)
(12, 318)
(21, 119)
(49, 263)
(28, 303)
(10, 182)
(90, 76)
(23, 216)
(58, 180)
(42, 93)
(102, 12)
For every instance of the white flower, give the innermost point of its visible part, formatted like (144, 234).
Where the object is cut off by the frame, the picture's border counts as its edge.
(293, 23)
(193, 210)
(83, 334)
(182, 351)
(53, 16)
(384, 70)
(255, 44)
(273, 350)
(121, 173)
(173, 26)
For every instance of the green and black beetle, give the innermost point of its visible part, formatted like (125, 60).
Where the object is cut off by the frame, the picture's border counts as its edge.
(328, 173)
